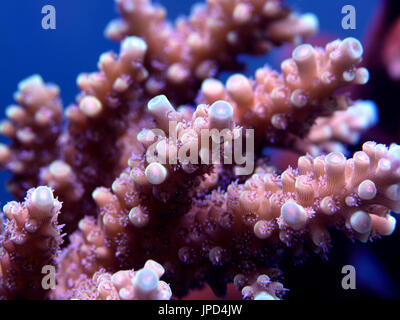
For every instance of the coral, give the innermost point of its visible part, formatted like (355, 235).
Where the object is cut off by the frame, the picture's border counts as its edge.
(391, 52)
(161, 161)
(343, 127)
(143, 284)
(280, 106)
(208, 41)
(31, 240)
(34, 127)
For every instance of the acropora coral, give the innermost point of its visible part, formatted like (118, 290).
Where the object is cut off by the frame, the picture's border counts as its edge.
(118, 224)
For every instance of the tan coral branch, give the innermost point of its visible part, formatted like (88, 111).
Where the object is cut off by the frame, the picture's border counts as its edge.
(30, 242)
(278, 105)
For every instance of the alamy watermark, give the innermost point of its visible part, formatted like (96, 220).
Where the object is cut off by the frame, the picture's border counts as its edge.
(349, 20)
(349, 280)
(49, 20)
(49, 280)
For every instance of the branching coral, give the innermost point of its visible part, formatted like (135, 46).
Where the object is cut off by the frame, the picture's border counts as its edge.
(209, 40)
(342, 128)
(34, 126)
(279, 106)
(143, 284)
(140, 181)
(31, 241)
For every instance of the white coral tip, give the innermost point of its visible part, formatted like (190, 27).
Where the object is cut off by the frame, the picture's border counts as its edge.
(367, 190)
(91, 106)
(43, 199)
(135, 45)
(361, 222)
(145, 280)
(310, 22)
(156, 173)
(221, 115)
(294, 215)
(352, 47)
(159, 104)
(394, 152)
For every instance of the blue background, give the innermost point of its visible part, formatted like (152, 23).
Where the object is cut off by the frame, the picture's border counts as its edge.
(74, 47)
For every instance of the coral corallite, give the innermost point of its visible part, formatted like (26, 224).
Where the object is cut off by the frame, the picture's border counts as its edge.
(119, 193)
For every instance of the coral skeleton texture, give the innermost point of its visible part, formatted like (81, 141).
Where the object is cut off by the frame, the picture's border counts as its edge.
(102, 208)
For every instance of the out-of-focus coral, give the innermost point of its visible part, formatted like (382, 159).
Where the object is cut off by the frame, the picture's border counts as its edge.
(391, 52)
(34, 125)
(139, 183)
(381, 59)
(342, 128)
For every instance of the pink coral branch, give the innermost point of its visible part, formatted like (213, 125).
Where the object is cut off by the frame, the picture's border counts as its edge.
(34, 125)
(208, 40)
(31, 241)
(277, 105)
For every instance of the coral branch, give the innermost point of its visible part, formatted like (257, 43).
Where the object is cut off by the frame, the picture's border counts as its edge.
(343, 127)
(143, 284)
(209, 40)
(176, 161)
(101, 129)
(30, 242)
(244, 229)
(277, 105)
(34, 127)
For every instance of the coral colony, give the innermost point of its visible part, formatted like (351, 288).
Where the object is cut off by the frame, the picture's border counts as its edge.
(155, 182)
